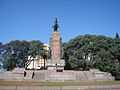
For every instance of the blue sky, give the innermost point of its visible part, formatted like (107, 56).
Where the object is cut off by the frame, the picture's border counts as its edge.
(33, 19)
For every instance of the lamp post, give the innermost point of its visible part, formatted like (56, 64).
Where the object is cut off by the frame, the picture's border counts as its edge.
(33, 68)
(33, 64)
(44, 57)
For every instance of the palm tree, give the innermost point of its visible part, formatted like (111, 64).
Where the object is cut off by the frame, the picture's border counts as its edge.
(44, 54)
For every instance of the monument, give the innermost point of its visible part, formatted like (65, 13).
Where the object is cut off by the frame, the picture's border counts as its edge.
(55, 66)
(56, 62)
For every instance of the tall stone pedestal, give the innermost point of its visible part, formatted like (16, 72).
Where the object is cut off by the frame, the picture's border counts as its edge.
(56, 50)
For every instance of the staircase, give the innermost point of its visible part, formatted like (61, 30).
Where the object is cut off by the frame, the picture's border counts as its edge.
(52, 75)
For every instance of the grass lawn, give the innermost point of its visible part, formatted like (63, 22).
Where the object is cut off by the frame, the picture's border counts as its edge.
(55, 83)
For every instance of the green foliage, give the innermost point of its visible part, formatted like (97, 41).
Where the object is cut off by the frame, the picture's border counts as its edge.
(16, 52)
(36, 48)
(9, 62)
(91, 51)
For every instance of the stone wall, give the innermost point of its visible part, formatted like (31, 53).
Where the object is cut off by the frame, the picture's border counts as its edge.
(52, 75)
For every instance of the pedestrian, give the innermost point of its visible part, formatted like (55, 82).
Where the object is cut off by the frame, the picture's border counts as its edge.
(25, 73)
(33, 74)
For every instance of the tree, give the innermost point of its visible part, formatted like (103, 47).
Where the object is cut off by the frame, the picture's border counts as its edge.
(36, 48)
(9, 62)
(117, 36)
(91, 51)
(21, 49)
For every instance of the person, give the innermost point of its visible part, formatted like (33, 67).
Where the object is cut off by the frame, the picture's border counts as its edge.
(56, 66)
(25, 73)
(33, 74)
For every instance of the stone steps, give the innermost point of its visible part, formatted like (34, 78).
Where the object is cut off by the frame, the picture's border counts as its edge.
(52, 75)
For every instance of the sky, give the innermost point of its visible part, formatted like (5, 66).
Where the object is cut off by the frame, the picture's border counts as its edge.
(33, 19)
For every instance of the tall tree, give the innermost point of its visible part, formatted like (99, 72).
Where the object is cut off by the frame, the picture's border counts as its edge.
(117, 36)
(91, 51)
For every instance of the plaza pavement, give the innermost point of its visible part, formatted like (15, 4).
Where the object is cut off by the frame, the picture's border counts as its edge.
(66, 85)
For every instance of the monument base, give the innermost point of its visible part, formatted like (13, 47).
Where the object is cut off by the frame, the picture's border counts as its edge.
(55, 66)
(58, 68)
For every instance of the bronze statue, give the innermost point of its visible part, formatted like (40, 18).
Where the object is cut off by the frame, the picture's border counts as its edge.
(55, 26)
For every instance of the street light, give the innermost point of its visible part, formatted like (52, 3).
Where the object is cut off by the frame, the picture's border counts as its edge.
(44, 57)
